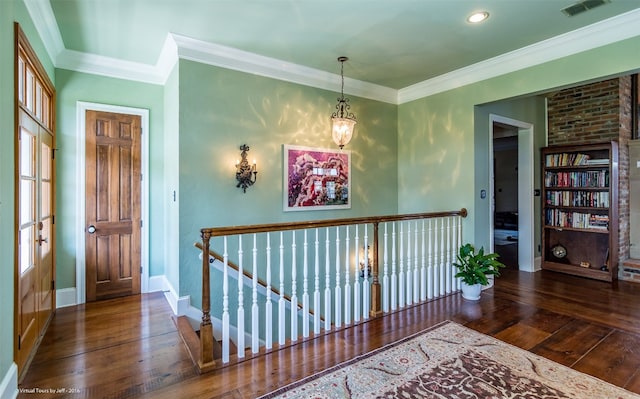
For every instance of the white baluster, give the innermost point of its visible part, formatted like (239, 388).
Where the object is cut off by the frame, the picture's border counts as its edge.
(316, 289)
(430, 265)
(356, 280)
(366, 287)
(281, 302)
(294, 289)
(268, 311)
(255, 312)
(458, 244)
(385, 272)
(448, 263)
(241, 331)
(225, 304)
(436, 268)
(327, 284)
(305, 288)
(409, 286)
(347, 283)
(442, 265)
(416, 270)
(401, 294)
(394, 277)
(423, 268)
(338, 292)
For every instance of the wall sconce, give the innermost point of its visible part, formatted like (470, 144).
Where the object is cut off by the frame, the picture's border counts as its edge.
(246, 174)
(366, 269)
(343, 122)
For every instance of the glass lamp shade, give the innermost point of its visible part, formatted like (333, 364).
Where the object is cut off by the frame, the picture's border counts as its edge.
(342, 130)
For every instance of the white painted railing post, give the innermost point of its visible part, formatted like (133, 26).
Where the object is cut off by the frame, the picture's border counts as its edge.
(347, 282)
(327, 284)
(255, 317)
(448, 263)
(409, 274)
(294, 289)
(281, 302)
(385, 272)
(423, 269)
(240, 321)
(442, 265)
(356, 280)
(366, 284)
(337, 292)
(225, 304)
(416, 270)
(268, 308)
(430, 265)
(305, 288)
(316, 288)
(394, 277)
(401, 281)
(436, 267)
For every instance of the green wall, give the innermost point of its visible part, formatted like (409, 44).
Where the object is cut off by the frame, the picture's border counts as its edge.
(437, 135)
(222, 109)
(75, 86)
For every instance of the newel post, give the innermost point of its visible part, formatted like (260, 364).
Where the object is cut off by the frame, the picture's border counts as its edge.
(206, 329)
(376, 291)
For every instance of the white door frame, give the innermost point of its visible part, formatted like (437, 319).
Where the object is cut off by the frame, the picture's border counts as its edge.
(81, 109)
(525, 190)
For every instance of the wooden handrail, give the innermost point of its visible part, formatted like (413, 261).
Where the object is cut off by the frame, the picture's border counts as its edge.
(248, 275)
(286, 226)
(206, 360)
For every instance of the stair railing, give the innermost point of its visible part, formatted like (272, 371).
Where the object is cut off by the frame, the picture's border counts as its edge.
(417, 255)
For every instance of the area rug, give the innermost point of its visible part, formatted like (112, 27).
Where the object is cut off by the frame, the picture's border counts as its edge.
(451, 361)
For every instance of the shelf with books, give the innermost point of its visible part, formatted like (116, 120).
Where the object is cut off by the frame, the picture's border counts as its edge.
(580, 210)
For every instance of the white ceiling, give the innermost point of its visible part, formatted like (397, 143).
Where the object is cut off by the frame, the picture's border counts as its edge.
(398, 49)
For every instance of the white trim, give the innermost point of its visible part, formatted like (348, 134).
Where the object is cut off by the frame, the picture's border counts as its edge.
(621, 27)
(81, 109)
(601, 33)
(45, 22)
(525, 190)
(238, 60)
(9, 384)
(179, 305)
(66, 297)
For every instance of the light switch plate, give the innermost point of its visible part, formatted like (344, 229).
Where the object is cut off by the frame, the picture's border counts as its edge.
(637, 164)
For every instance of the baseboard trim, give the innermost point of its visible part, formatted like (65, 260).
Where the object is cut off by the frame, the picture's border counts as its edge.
(66, 297)
(179, 305)
(9, 384)
(537, 264)
(158, 283)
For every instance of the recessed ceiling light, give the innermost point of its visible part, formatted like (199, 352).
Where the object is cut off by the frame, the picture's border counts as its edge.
(478, 17)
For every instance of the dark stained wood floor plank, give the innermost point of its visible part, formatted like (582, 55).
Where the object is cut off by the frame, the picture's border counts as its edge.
(129, 347)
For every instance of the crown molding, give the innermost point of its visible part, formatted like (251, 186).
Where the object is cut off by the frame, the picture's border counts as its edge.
(243, 61)
(621, 27)
(176, 46)
(45, 22)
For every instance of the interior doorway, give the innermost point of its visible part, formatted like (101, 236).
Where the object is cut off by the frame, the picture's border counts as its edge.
(84, 221)
(511, 217)
(505, 193)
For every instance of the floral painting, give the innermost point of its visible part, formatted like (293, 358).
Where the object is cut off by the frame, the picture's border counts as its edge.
(316, 178)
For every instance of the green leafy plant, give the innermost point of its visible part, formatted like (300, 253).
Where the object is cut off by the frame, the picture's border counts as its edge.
(474, 267)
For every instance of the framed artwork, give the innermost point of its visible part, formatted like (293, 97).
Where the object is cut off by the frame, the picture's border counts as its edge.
(316, 178)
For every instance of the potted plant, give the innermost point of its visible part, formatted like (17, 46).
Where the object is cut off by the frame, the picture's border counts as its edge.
(473, 268)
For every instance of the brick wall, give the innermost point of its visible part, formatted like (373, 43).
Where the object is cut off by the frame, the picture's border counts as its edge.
(596, 113)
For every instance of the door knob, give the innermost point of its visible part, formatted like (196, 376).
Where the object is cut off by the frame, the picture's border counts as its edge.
(91, 229)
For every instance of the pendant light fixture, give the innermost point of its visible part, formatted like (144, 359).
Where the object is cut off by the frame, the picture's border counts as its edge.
(342, 121)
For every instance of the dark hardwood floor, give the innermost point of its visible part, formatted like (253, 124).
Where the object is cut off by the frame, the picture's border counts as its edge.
(129, 347)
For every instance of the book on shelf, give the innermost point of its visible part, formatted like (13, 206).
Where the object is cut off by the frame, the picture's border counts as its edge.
(567, 159)
(598, 162)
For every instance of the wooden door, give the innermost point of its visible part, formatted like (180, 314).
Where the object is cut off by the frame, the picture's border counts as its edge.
(35, 203)
(113, 221)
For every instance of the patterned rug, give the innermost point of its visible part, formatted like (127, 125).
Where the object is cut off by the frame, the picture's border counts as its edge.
(451, 361)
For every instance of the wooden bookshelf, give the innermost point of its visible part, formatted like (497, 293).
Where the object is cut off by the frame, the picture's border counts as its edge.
(580, 210)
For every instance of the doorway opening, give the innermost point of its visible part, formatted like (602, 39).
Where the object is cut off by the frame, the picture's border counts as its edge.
(511, 187)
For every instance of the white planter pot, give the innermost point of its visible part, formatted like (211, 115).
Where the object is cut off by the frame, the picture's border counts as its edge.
(471, 292)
